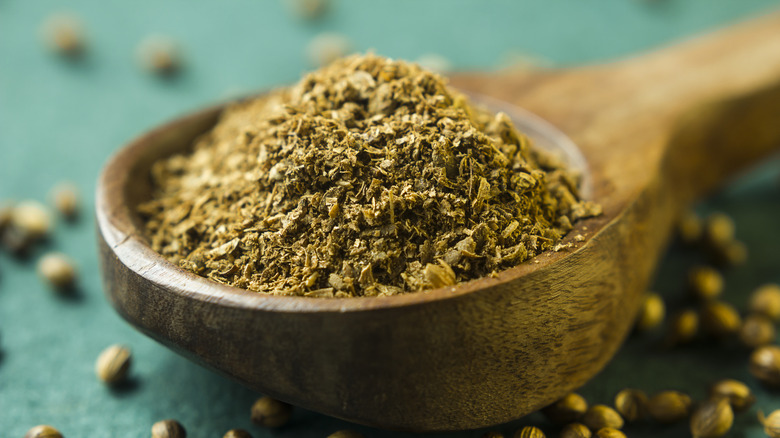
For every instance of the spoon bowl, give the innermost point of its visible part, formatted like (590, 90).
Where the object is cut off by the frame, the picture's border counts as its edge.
(493, 349)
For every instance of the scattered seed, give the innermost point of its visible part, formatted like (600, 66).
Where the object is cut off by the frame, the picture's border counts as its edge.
(529, 432)
(682, 327)
(64, 34)
(712, 419)
(766, 300)
(113, 364)
(669, 406)
(65, 199)
(757, 330)
(346, 433)
(168, 429)
(308, 9)
(771, 423)
(631, 404)
(237, 433)
(269, 412)
(705, 283)
(652, 312)
(32, 219)
(57, 270)
(575, 430)
(326, 48)
(720, 319)
(737, 393)
(601, 416)
(566, 410)
(160, 55)
(734, 253)
(718, 229)
(609, 432)
(43, 431)
(765, 365)
(689, 228)
(6, 208)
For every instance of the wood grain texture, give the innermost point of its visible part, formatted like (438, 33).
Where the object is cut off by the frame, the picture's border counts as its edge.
(657, 131)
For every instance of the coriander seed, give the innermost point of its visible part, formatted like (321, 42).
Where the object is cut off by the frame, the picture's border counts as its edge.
(566, 410)
(43, 431)
(269, 412)
(160, 55)
(325, 48)
(652, 312)
(113, 364)
(682, 327)
(738, 394)
(57, 270)
(5, 214)
(730, 254)
(575, 430)
(720, 319)
(705, 283)
(718, 229)
(766, 300)
(610, 432)
(65, 198)
(308, 9)
(757, 330)
(237, 433)
(631, 404)
(168, 429)
(712, 419)
(64, 34)
(689, 227)
(529, 432)
(346, 433)
(765, 365)
(439, 275)
(32, 219)
(669, 406)
(600, 416)
(771, 423)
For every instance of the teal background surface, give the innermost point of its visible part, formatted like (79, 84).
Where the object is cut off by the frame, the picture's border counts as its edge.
(61, 120)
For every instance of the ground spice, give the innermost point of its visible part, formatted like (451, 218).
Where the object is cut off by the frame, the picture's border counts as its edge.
(369, 177)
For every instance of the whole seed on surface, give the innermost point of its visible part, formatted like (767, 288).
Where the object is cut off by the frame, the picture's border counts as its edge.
(690, 228)
(631, 404)
(720, 319)
(168, 429)
(57, 270)
(757, 330)
(610, 432)
(575, 430)
(712, 419)
(682, 327)
(65, 198)
(6, 207)
(308, 9)
(113, 364)
(529, 432)
(31, 218)
(765, 365)
(346, 433)
(237, 433)
(601, 416)
(734, 253)
(160, 55)
(43, 431)
(771, 423)
(269, 412)
(738, 394)
(705, 283)
(766, 300)
(718, 229)
(669, 406)
(652, 312)
(566, 410)
(64, 35)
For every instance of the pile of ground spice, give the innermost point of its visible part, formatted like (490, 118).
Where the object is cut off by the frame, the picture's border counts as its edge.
(368, 177)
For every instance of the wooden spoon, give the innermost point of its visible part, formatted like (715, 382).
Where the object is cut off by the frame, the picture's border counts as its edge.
(657, 131)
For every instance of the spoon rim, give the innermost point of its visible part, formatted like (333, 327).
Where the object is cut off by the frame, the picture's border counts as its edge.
(125, 239)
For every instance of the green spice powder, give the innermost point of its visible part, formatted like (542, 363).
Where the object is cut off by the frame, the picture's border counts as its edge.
(369, 177)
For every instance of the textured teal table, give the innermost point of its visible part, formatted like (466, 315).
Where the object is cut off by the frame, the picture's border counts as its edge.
(61, 121)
